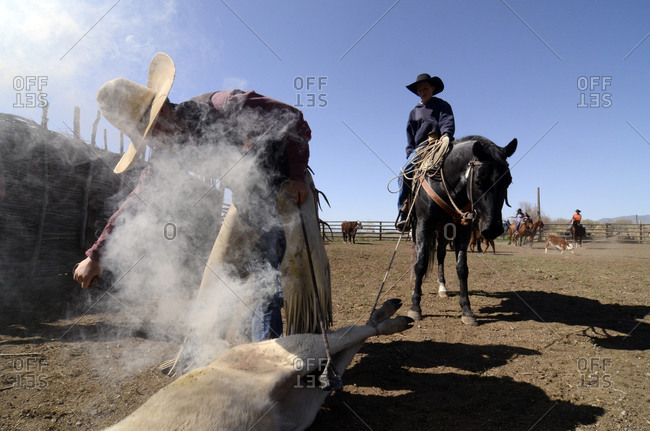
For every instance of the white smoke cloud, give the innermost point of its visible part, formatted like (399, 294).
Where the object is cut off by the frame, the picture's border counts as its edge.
(153, 253)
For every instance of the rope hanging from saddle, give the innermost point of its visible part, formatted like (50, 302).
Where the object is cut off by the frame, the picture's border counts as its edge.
(428, 158)
(428, 162)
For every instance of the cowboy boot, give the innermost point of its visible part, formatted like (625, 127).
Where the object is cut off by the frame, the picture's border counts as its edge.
(402, 224)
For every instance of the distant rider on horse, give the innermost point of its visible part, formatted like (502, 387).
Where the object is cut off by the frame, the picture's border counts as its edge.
(519, 217)
(577, 219)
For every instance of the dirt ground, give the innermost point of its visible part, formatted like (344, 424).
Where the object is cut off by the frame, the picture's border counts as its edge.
(562, 345)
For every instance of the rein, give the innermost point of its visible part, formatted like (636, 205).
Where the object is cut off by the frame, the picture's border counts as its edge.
(467, 213)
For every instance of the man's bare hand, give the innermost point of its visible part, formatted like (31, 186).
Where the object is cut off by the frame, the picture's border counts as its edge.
(87, 272)
(299, 191)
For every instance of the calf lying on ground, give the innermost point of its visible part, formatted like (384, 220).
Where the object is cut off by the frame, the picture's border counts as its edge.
(349, 230)
(558, 242)
(260, 385)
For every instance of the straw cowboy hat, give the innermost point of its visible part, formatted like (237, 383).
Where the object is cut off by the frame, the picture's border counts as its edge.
(425, 77)
(133, 108)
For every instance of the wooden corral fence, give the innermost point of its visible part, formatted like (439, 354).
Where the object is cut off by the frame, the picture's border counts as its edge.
(385, 231)
(56, 194)
(371, 231)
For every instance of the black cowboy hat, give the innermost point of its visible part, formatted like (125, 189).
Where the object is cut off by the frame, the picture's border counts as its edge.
(577, 211)
(425, 77)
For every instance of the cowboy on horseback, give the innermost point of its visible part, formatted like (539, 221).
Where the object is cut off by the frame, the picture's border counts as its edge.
(430, 121)
(577, 219)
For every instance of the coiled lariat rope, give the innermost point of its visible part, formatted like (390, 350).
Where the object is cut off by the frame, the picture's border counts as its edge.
(427, 160)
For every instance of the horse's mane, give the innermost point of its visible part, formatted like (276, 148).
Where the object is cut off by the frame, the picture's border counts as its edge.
(493, 150)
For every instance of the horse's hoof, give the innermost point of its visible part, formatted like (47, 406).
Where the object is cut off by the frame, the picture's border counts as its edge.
(469, 320)
(443, 293)
(414, 314)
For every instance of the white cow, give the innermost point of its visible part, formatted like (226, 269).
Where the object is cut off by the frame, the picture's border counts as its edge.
(260, 386)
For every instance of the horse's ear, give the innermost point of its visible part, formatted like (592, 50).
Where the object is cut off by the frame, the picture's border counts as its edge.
(510, 148)
(478, 151)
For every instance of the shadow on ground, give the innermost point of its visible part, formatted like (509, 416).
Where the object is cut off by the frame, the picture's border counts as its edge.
(410, 396)
(599, 320)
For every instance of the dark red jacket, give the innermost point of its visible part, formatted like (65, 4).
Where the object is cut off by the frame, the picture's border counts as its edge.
(279, 130)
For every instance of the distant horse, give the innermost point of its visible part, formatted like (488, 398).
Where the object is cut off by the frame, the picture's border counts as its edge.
(578, 232)
(474, 182)
(518, 234)
(476, 239)
(530, 234)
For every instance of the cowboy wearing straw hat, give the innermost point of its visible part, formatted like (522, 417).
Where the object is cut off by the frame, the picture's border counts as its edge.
(260, 228)
(431, 119)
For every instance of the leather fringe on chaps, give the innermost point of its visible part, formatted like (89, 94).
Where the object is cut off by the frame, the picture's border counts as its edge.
(299, 295)
(236, 239)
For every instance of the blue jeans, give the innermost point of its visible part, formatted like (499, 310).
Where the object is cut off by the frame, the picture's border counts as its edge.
(404, 183)
(267, 318)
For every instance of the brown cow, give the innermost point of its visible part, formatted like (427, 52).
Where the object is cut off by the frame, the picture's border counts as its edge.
(349, 230)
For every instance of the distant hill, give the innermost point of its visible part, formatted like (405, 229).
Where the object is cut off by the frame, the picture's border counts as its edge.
(642, 218)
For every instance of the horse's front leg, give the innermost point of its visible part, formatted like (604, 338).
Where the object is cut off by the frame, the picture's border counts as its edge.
(420, 269)
(441, 252)
(462, 240)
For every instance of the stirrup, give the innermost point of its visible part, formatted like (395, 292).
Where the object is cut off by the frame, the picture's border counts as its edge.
(402, 224)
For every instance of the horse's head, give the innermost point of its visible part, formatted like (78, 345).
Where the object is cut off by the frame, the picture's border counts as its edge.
(488, 180)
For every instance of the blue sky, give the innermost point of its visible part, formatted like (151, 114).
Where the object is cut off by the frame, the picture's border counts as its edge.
(569, 80)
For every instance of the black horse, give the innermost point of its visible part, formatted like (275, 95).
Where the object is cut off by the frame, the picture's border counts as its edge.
(578, 232)
(473, 187)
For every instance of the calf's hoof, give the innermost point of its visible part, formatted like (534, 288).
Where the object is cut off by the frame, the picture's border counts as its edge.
(469, 320)
(387, 309)
(391, 326)
(414, 314)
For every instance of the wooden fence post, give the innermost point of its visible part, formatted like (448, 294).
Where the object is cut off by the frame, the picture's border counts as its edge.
(640, 233)
(76, 125)
(44, 116)
(94, 132)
